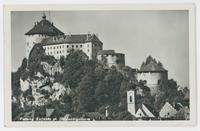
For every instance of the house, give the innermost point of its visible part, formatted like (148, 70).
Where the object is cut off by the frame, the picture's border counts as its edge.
(141, 112)
(182, 114)
(144, 112)
(167, 111)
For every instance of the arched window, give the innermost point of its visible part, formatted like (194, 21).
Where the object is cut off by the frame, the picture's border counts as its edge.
(131, 99)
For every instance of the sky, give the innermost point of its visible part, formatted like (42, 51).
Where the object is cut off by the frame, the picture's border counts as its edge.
(162, 34)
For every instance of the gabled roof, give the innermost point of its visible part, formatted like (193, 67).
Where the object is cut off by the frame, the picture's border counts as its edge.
(145, 111)
(44, 27)
(49, 112)
(72, 38)
(167, 110)
(151, 65)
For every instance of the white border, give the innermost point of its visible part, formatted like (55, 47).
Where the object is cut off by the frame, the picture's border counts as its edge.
(7, 64)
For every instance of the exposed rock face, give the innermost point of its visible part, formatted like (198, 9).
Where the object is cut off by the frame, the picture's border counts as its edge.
(51, 69)
(40, 90)
(58, 91)
(24, 85)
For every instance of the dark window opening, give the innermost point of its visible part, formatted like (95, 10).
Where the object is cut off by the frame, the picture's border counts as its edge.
(131, 99)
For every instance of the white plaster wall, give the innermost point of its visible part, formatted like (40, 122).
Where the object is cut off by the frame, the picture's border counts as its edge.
(167, 111)
(151, 80)
(59, 50)
(111, 60)
(31, 40)
(131, 105)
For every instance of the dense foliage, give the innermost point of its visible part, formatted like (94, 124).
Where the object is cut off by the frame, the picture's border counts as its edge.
(93, 87)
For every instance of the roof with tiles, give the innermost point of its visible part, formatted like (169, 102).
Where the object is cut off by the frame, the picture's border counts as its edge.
(44, 27)
(151, 65)
(71, 38)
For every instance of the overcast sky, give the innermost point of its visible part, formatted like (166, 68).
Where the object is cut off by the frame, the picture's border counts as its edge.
(137, 34)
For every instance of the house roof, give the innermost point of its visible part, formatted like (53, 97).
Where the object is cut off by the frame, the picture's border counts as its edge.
(44, 27)
(72, 38)
(49, 112)
(151, 65)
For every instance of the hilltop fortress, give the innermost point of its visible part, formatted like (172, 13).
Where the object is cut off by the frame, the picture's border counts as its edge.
(57, 44)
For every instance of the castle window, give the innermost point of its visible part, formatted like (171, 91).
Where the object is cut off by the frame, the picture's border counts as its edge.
(60, 47)
(60, 52)
(131, 99)
(57, 52)
(76, 46)
(159, 82)
(57, 47)
(88, 50)
(72, 46)
(88, 45)
(67, 46)
(27, 44)
(54, 47)
(81, 46)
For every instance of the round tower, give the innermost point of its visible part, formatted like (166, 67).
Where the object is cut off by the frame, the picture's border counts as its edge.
(153, 73)
(40, 31)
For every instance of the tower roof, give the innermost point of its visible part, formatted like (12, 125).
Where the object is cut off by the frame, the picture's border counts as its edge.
(151, 65)
(44, 27)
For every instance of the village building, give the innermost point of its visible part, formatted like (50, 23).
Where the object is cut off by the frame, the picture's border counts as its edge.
(141, 112)
(144, 112)
(153, 74)
(167, 111)
(57, 44)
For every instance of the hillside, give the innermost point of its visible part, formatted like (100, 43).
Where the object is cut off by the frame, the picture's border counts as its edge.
(81, 88)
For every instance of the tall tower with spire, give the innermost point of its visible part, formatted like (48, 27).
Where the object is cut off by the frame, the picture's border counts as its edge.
(41, 30)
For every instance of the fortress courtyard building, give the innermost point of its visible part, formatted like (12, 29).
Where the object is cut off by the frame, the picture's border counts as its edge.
(57, 44)
(111, 58)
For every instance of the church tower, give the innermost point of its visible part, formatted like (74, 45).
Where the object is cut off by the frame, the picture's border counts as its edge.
(41, 30)
(131, 101)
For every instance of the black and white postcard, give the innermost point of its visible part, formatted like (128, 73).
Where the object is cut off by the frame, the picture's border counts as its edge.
(100, 65)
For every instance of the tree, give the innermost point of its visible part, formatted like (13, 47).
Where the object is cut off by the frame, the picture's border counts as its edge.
(108, 90)
(36, 56)
(62, 61)
(85, 97)
(74, 68)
